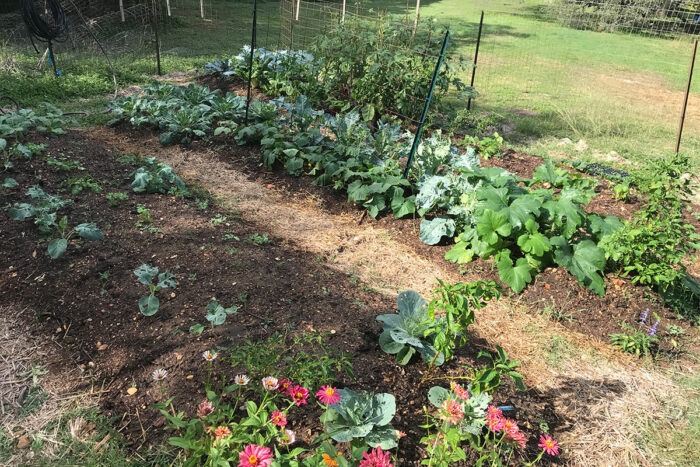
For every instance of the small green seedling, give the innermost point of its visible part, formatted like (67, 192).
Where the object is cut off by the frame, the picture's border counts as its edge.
(216, 314)
(116, 198)
(146, 275)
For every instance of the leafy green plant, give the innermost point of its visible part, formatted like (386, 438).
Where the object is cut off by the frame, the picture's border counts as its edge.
(258, 239)
(77, 185)
(456, 305)
(63, 165)
(116, 198)
(362, 416)
(488, 379)
(216, 314)
(148, 275)
(145, 220)
(44, 210)
(636, 341)
(48, 119)
(155, 177)
(622, 192)
(404, 333)
(488, 147)
(652, 246)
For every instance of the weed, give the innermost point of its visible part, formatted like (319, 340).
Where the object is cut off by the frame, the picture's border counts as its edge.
(217, 220)
(131, 159)
(202, 204)
(115, 198)
(558, 350)
(145, 220)
(104, 277)
(63, 165)
(77, 185)
(258, 239)
(192, 277)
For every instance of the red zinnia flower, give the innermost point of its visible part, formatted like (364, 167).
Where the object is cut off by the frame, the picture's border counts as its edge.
(284, 386)
(376, 458)
(255, 456)
(278, 418)
(549, 445)
(299, 395)
(328, 395)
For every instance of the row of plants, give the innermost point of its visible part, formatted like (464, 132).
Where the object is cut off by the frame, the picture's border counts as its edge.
(357, 66)
(245, 423)
(525, 225)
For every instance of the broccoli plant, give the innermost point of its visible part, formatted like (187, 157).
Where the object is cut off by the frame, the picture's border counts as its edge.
(362, 415)
(43, 209)
(147, 275)
(216, 314)
(404, 333)
(155, 177)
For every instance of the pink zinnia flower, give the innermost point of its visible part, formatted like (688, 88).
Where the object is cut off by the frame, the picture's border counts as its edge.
(460, 391)
(517, 438)
(299, 394)
(278, 418)
(494, 419)
(221, 432)
(549, 445)
(513, 433)
(328, 395)
(376, 458)
(270, 383)
(204, 409)
(284, 386)
(255, 456)
(494, 411)
(288, 438)
(452, 411)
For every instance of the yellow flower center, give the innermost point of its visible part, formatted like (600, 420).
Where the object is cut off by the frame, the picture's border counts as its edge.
(253, 459)
(330, 391)
(549, 443)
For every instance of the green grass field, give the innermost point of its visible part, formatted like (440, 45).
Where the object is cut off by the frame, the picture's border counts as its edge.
(539, 81)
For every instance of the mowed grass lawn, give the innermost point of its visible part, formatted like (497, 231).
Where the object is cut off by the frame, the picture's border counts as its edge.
(618, 92)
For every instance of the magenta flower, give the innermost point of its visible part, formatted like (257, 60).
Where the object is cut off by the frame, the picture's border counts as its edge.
(328, 395)
(549, 445)
(460, 391)
(376, 458)
(284, 386)
(278, 418)
(255, 456)
(299, 395)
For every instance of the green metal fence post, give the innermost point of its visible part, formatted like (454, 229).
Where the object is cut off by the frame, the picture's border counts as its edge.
(427, 104)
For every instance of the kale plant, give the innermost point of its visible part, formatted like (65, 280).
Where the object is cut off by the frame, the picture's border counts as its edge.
(148, 275)
(155, 177)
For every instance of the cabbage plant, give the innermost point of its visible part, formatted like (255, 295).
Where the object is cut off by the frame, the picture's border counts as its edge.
(403, 333)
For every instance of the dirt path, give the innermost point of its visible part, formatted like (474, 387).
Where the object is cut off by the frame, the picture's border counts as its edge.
(599, 392)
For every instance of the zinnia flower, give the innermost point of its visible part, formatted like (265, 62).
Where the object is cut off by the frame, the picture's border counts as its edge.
(513, 433)
(210, 355)
(328, 395)
(284, 385)
(288, 438)
(299, 395)
(376, 458)
(460, 391)
(255, 456)
(329, 461)
(204, 408)
(452, 411)
(221, 432)
(494, 419)
(160, 374)
(549, 445)
(241, 380)
(278, 418)
(270, 383)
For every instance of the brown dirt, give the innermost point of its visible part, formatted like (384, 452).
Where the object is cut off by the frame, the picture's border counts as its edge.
(287, 284)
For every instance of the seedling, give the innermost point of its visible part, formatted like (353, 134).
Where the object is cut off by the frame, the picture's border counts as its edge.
(116, 198)
(147, 275)
(258, 239)
(63, 166)
(77, 185)
(216, 314)
(217, 220)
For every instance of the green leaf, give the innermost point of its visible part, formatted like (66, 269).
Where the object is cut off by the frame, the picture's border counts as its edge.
(89, 231)
(515, 276)
(388, 345)
(532, 241)
(149, 305)
(460, 253)
(585, 261)
(10, 183)
(437, 395)
(432, 231)
(492, 224)
(196, 329)
(57, 247)
(145, 274)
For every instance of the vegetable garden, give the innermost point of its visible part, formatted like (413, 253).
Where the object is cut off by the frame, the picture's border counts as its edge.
(280, 281)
